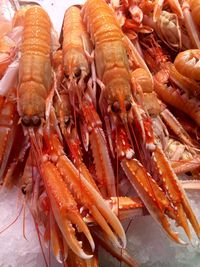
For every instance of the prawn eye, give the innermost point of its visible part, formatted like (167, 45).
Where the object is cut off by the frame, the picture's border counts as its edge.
(31, 121)
(26, 121)
(115, 107)
(23, 189)
(128, 105)
(67, 76)
(67, 121)
(36, 121)
(77, 73)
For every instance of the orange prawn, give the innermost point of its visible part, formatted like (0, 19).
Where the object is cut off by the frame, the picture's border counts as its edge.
(35, 74)
(76, 49)
(111, 59)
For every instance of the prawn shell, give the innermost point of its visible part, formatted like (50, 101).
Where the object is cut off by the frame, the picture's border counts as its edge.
(35, 74)
(75, 41)
(111, 59)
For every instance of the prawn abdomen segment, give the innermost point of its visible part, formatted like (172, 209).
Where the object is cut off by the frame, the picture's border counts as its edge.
(37, 31)
(101, 15)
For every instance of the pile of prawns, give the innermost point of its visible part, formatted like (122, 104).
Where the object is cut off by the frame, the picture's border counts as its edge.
(106, 107)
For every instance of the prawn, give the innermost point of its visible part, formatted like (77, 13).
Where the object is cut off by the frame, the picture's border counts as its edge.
(110, 54)
(35, 74)
(111, 60)
(76, 51)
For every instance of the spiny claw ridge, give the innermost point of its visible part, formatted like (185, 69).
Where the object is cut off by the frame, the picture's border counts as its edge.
(65, 209)
(79, 185)
(176, 194)
(151, 194)
(84, 193)
(102, 161)
(68, 232)
(56, 240)
(104, 170)
(130, 207)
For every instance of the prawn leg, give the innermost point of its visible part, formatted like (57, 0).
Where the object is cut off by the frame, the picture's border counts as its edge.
(104, 170)
(174, 4)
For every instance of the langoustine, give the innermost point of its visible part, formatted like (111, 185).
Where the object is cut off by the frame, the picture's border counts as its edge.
(122, 134)
(35, 74)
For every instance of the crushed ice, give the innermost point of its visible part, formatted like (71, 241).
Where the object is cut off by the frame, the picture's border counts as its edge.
(146, 241)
